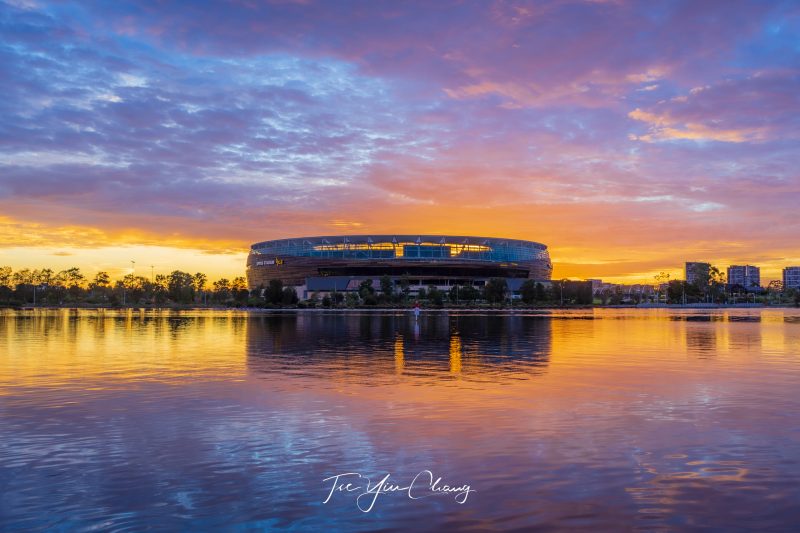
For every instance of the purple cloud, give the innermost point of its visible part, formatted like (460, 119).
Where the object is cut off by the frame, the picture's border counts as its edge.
(264, 119)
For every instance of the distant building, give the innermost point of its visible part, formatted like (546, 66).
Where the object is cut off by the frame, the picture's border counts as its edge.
(791, 278)
(746, 276)
(697, 273)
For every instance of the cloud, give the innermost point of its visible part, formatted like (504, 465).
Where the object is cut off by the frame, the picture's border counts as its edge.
(21, 233)
(214, 125)
(752, 109)
(662, 128)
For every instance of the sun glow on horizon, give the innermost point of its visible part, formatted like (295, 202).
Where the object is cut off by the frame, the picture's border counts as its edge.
(177, 137)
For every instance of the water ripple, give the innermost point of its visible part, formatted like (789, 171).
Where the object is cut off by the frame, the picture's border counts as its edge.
(596, 420)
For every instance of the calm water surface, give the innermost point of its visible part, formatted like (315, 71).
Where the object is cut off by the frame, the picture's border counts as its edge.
(599, 420)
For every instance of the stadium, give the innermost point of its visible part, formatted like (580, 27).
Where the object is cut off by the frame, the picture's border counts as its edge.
(341, 262)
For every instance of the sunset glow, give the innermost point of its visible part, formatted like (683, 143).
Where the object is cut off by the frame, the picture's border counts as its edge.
(627, 136)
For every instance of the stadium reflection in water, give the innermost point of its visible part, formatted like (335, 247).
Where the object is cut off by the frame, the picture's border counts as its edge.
(604, 420)
(440, 345)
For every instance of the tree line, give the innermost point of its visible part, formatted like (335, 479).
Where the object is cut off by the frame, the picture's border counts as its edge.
(48, 287)
(67, 287)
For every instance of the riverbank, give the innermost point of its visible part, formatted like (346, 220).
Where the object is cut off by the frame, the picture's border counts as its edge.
(375, 309)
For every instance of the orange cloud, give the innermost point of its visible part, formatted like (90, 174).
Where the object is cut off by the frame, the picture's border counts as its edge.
(663, 128)
(16, 233)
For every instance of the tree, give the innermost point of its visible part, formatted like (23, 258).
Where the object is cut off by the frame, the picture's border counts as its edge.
(289, 296)
(716, 283)
(313, 300)
(5, 276)
(580, 292)
(338, 298)
(676, 289)
(540, 292)
(495, 290)
(365, 287)
(453, 294)
(22, 277)
(43, 276)
(239, 289)
(160, 288)
(5, 283)
(180, 286)
(405, 287)
(774, 289)
(387, 287)
(435, 296)
(367, 292)
(222, 290)
(101, 280)
(199, 281)
(239, 284)
(73, 277)
(468, 293)
(527, 291)
(274, 293)
(134, 288)
(661, 278)
(351, 299)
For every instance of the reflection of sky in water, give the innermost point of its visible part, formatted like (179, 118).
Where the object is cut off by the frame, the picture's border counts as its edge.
(594, 420)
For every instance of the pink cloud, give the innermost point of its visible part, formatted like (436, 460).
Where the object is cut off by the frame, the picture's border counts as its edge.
(753, 109)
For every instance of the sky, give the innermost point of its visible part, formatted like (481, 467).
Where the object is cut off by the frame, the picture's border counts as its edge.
(627, 136)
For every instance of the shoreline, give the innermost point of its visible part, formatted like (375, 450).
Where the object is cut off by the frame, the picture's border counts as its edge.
(262, 310)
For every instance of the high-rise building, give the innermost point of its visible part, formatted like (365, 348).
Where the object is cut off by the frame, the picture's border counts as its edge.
(697, 273)
(791, 278)
(746, 276)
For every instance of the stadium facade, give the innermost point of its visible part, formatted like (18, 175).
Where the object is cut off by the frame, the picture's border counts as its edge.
(314, 263)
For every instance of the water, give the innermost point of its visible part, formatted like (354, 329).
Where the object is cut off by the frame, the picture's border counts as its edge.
(599, 420)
